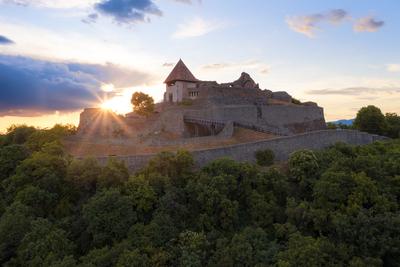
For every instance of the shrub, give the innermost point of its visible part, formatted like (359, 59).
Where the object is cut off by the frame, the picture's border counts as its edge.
(265, 157)
(296, 101)
(186, 102)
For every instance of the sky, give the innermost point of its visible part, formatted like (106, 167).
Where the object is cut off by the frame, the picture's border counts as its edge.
(59, 56)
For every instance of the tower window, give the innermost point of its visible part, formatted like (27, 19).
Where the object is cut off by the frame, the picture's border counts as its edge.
(194, 94)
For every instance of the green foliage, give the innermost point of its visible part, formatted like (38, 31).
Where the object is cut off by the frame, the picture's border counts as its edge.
(265, 157)
(304, 251)
(142, 195)
(331, 126)
(18, 134)
(41, 201)
(249, 247)
(44, 245)
(83, 174)
(108, 215)
(143, 104)
(296, 101)
(371, 120)
(101, 257)
(113, 174)
(303, 164)
(133, 259)
(334, 126)
(303, 170)
(192, 249)
(14, 224)
(40, 137)
(186, 102)
(10, 157)
(393, 125)
(335, 207)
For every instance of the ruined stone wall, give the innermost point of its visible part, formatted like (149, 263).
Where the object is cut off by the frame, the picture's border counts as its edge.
(170, 121)
(286, 119)
(282, 147)
(226, 113)
(227, 132)
(295, 118)
(224, 95)
(98, 122)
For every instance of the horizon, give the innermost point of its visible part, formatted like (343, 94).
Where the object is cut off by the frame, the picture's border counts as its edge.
(59, 57)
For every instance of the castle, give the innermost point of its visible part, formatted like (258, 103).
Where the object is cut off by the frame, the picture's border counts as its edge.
(192, 108)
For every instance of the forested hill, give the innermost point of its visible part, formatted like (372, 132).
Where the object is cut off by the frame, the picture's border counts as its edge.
(336, 207)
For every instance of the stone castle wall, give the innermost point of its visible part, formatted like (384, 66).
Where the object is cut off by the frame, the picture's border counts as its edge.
(284, 119)
(282, 147)
(294, 118)
(226, 113)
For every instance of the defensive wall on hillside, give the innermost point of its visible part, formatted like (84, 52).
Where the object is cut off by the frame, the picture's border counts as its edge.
(282, 147)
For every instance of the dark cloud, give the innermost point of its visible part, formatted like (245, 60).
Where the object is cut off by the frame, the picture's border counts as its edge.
(309, 24)
(91, 18)
(29, 85)
(368, 24)
(355, 91)
(128, 11)
(336, 15)
(5, 41)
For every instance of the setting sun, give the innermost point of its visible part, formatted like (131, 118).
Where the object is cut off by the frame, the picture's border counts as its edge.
(118, 104)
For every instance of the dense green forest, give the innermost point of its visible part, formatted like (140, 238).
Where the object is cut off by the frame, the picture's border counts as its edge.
(336, 207)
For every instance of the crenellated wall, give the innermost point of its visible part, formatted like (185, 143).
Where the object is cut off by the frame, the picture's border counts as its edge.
(282, 147)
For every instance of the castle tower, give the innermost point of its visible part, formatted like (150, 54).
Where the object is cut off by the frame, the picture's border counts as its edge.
(180, 84)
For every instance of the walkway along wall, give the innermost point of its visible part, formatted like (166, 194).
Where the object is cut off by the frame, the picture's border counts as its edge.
(282, 147)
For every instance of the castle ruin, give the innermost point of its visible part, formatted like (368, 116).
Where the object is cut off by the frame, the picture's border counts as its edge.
(192, 108)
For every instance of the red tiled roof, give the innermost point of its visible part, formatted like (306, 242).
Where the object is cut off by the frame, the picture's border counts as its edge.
(180, 73)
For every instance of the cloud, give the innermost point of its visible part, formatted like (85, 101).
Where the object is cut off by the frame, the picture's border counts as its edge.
(51, 3)
(393, 67)
(186, 1)
(368, 24)
(219, 65)
(35, 86)
(168, 64)
(197, 27)
(91, 18)
(5, 41)
(128, 11)
(355, 91)
(309, 24)
(257, 65)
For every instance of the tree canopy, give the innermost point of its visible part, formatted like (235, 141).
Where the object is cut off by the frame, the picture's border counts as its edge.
(336, 207)
(370, 119)
(143, 104)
